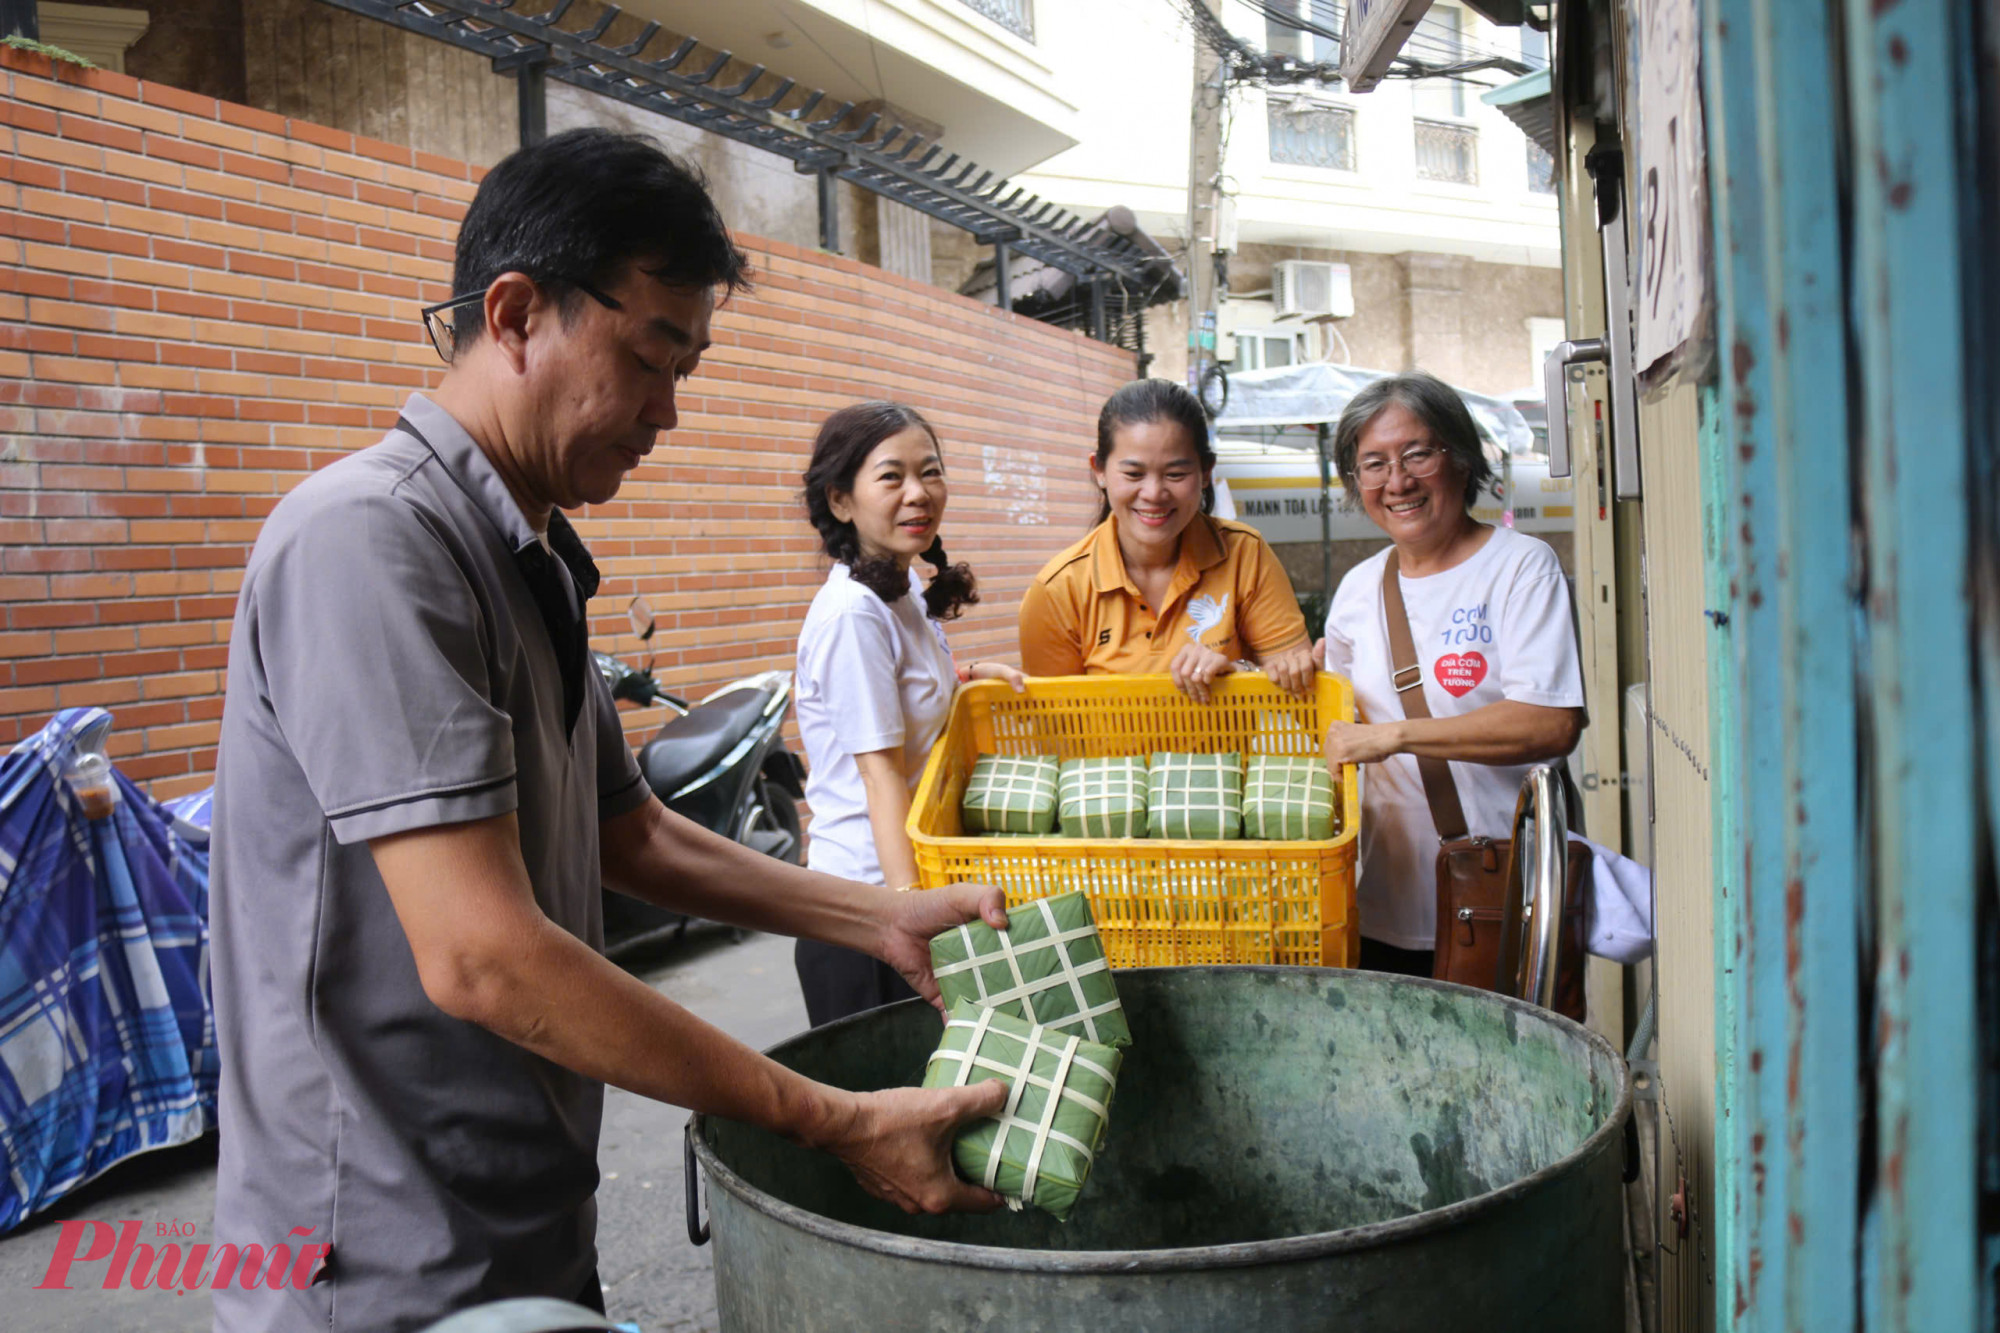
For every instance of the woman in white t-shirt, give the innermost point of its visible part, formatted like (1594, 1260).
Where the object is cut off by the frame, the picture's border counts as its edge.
(1489, 615)
(875, 676)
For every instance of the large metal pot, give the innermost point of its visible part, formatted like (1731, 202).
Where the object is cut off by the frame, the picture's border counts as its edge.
(1290, 1148)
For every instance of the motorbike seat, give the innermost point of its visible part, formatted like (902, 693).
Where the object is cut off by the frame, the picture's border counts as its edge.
(689, 746)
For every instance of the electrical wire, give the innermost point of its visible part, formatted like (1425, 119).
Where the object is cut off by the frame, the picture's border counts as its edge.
(1247, 64)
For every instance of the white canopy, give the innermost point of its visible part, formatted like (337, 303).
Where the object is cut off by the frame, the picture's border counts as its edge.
(1318, 391)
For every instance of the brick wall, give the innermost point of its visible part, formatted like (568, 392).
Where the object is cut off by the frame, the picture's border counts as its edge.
(200, 303)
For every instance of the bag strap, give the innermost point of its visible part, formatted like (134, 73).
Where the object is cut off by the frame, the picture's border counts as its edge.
(1406, 675)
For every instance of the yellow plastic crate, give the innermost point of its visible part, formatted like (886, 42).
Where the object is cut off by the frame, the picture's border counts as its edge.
(1156, 902)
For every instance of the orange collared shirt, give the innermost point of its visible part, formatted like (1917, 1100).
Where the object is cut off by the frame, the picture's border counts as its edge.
(1083, 615)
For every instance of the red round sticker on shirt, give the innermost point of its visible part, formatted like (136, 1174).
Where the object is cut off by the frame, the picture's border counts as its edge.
(1460, 673)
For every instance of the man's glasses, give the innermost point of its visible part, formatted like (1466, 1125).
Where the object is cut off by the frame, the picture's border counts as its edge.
(444, 333)
(1420, 460)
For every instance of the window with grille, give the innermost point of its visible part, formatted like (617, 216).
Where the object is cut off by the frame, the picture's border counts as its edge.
(1287, 38)
(1016, 16)
(1263, 349)
(1308, 134)
(1541, 169)
(1447, 152)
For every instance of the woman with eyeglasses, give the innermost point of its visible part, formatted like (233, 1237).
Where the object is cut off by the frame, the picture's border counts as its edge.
(1489, 617)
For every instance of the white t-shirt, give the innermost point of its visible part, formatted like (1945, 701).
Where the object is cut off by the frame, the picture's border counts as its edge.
(1497, 626)
(872, 676)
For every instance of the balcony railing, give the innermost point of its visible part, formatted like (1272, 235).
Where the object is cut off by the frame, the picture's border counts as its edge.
(1541, 169)
(1016, 16)
(1313, 136)
(1447, 152)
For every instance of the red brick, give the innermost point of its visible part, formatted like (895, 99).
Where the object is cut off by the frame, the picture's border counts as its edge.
(102, 694)
(321, 183)
(33, 615)
(269, 363)
(30, 283)
(128, 295)
(28, 338)
(191, 303)
(176, 99)
(55, 670)
(193, 256)
(27, 62)
(340, 233)
(338, 140)
(190, 354)
(229, 113)
(286, 270)
(258, 312)
(29, 227)
(180, 201)
(23, 115)
(133, 558)
(24, 172)
(102, 186)
(112, 82)
(441, 166)
(117, 349)
(176, 149)
(396, 154)
(96, 639)
(255, 168)
(102, 133)
(103, 238)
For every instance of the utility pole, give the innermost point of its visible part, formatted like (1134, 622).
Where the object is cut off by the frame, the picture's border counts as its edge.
(1204, 180)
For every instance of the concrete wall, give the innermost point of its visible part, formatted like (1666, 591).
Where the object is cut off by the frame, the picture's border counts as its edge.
(1458, 318)
(201, 303)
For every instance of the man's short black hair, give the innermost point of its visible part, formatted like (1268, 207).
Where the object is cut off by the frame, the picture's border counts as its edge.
(580, 206)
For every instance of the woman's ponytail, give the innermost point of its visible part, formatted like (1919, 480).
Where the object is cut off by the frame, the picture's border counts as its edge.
(952, 589)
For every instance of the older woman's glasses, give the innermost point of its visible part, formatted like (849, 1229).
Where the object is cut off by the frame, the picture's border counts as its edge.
(1419, 460)
(444, 332)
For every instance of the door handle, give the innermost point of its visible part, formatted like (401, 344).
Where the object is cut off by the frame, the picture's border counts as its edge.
(1555, 387)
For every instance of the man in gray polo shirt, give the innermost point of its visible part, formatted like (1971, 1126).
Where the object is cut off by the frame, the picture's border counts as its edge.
(422, 785)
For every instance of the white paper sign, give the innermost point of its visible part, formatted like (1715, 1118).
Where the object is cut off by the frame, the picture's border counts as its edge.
(1670, 238)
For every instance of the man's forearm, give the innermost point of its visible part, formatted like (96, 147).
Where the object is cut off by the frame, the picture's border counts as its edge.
(1506, 732)
(656, 855)
(549, 992)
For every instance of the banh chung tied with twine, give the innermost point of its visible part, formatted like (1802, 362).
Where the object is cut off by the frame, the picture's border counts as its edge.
(1010, 794)
(1195, 796)
(1102, 798)
(1040, 1147)
(1287, 798)
(1047, 967)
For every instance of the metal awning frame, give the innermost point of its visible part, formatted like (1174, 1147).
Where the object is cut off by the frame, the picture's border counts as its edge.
(889, 160)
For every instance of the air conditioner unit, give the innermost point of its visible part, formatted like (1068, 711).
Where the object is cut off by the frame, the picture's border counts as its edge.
(1307, 287)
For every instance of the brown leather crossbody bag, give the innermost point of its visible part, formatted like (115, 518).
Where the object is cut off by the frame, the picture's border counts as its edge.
(1472, 873)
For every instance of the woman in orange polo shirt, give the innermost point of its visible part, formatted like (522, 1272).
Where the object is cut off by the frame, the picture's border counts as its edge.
(1160, 584)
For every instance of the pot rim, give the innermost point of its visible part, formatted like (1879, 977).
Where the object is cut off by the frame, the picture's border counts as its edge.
(1239, 1254)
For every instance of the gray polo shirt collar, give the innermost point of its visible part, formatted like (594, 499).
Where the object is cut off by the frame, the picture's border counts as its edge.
(562, 615)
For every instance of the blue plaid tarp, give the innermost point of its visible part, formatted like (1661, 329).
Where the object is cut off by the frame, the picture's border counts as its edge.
(107, 1039)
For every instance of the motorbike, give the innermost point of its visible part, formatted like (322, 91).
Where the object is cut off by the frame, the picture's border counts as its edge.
(721, 763)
